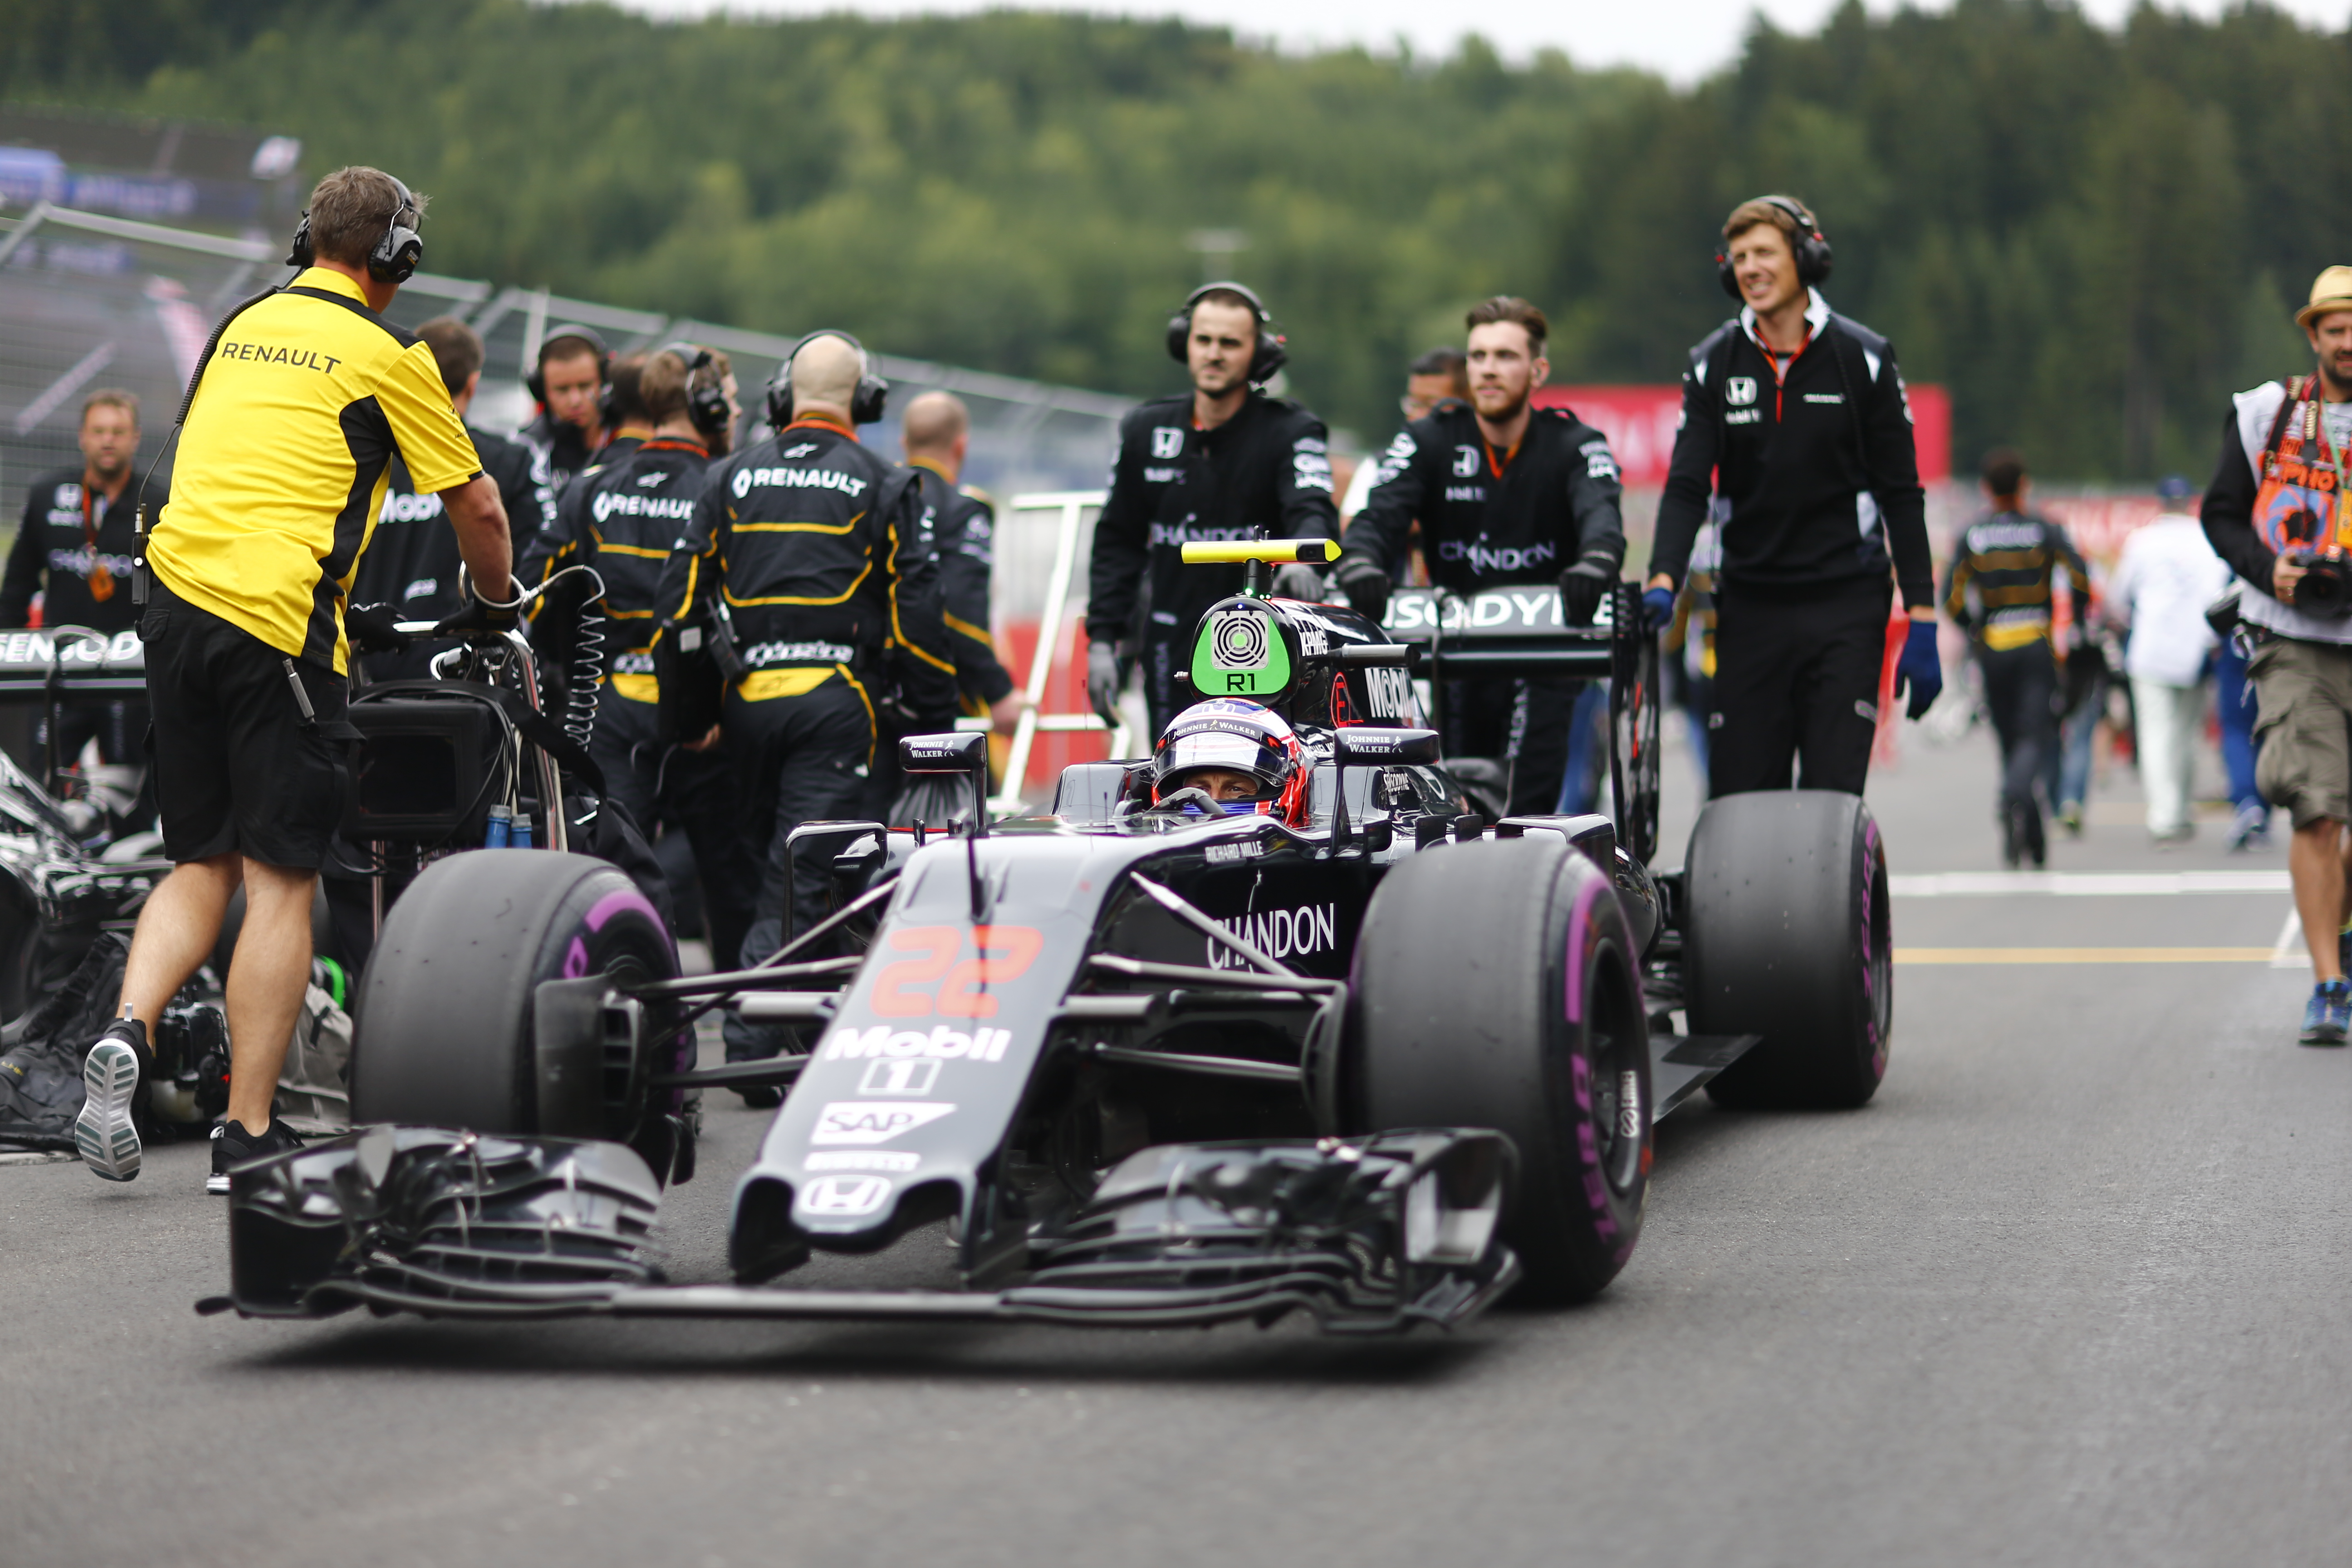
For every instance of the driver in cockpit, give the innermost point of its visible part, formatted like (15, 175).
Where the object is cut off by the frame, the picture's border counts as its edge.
(1231, 756)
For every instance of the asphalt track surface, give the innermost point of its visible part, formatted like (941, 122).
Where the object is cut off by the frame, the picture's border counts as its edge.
(2073, 1290)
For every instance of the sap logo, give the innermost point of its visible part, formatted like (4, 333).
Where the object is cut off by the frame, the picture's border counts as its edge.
(907, 1076)
(1465, 462)
(864, 1160)
(846, 1198)
(647, 481)
(1466, 493)
(848, 1043)
(873, 1122)
(1281, 933)
(1739, 389)
(1389, 693)
(1167, 441)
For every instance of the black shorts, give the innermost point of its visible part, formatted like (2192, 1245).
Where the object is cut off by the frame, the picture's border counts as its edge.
(237, 768)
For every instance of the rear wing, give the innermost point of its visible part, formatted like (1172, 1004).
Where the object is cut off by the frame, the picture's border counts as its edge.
(1503, 632)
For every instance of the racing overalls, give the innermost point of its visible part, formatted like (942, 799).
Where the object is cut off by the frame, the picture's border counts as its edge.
(960, 526)
(1268, 466)
(1496, 519)
(814, 544)
(620, 519)
(66, 531)
(2000, 592)
(411, 560)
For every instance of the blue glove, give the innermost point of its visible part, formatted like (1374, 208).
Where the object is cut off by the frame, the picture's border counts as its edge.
(1920, 671)
(1658, 608)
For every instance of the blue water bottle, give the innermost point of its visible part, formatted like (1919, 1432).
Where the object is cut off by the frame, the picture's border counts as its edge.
(497, 835)
(520, 838)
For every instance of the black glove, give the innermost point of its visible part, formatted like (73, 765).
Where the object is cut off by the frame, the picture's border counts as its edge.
(1580, 590)
(1298, 580)
(375, 629)
(1366, 586)
(479, 615)
(1103, 682)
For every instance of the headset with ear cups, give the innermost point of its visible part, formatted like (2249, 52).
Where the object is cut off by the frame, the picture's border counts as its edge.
(706, 403)
(1270, 355)
(394, 257)
(865, 405)
(1813, 248)
(537, 380)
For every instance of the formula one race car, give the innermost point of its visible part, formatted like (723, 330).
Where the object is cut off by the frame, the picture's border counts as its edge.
(1155, 1059)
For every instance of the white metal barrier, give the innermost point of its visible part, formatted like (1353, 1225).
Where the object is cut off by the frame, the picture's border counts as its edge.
(1053, 629)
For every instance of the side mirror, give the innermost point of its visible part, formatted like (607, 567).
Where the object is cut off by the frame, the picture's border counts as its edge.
(1361, 746)
(963, 753)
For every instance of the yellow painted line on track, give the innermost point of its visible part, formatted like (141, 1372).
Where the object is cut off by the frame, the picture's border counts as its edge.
(2082, 954)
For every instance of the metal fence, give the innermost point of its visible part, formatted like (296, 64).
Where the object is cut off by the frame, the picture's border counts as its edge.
(87, 300)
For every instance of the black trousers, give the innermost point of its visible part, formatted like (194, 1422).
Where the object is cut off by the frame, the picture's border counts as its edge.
(2019, 683)
(804, 758)
(1795, 687)
(699, 793)
(1523, 724)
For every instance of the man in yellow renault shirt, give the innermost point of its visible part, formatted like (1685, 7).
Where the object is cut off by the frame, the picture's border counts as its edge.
(305, 398)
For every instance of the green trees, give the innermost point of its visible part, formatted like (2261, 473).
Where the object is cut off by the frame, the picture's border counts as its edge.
(2090, 236)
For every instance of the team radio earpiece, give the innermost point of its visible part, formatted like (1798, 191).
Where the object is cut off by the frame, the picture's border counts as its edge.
(537, 379)
(1813, 248)
(395, 256)
(706, 395)
(1271, 353)
(865, 405)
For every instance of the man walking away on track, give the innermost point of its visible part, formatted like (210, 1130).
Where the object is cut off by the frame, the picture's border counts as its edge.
(2168, 578)
(1999, 593)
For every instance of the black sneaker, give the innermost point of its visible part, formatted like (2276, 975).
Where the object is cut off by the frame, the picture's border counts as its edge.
(114, 1078)
(234, 1146)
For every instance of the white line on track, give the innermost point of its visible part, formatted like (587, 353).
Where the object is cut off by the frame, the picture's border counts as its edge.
(2083, 884)
(2287, 952)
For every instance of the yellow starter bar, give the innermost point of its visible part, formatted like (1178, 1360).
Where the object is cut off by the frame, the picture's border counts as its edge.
(1273, 552)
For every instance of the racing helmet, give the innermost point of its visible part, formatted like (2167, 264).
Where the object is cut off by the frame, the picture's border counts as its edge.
(1230, 734)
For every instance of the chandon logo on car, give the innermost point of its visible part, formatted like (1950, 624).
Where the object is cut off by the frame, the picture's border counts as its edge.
(1282, 933)
(873, 1120)
(940, 1043)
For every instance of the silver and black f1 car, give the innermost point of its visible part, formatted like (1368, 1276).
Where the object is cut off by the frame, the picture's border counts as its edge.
(1153, 1065)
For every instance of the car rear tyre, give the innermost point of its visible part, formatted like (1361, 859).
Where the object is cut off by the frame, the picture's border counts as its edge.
(1493, 986)
(1786, 934)
(445, 1033)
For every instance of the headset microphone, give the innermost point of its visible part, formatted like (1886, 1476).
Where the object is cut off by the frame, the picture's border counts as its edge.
(1271, 353)
(706, 394)
(866, 403)
(537, 380)
(1813, 248)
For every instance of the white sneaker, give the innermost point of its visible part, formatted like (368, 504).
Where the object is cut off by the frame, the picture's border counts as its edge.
(104, 1131)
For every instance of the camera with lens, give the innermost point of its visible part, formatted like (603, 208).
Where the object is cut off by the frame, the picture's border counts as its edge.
(2325, 589)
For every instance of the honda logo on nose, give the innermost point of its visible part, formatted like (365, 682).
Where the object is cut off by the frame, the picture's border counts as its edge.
(845, 1197)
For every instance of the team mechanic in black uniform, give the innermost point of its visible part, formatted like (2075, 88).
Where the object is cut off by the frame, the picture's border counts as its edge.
(412, 558)
(1219, 465)
(620, 518)
(570, 382)
(1505, 494)
(811, 546)
(960, 526)
(304, 394)
(74, 548)
(1798, 418)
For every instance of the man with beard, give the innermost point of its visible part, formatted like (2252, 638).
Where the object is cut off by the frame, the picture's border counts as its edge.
(569, 383)
(74, 548)
(1222, 463)
(1505, 494)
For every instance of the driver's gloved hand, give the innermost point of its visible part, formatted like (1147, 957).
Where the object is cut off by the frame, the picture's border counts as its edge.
(1658, 608)
(1298, 581)
(1366, 586)
(1102, 681)
(1580, 589)
(375, 629)
(1920, 669)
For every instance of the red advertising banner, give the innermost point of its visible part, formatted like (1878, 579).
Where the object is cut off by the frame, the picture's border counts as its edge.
(1640, 423)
